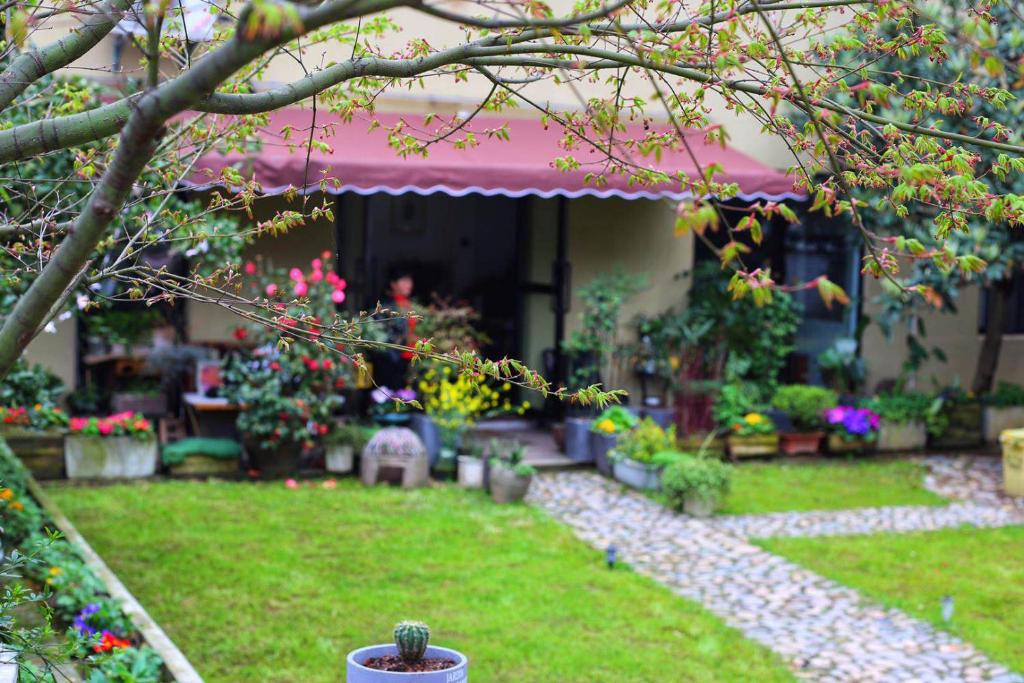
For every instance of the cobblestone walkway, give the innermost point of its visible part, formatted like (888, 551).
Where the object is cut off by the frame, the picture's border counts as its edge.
(825, 631)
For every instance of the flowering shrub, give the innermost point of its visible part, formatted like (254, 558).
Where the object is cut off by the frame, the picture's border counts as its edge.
(853, 423)
(456, 402)
(614, 420)
(40, 417)
(118, 424)
(753, 424)
(644, 442)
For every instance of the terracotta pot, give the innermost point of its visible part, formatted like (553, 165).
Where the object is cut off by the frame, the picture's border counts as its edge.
(42, 452)
(901, 436)
(797, 443)
(751, 446)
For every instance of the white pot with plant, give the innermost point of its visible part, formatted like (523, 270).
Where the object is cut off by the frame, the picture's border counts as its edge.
(902, 420)
(635, 456)
(696, 485)
(342, 443)
(121, 446)
(410, 658)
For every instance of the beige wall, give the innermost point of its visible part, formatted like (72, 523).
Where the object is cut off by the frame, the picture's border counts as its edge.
(957, 335)
(56, 351)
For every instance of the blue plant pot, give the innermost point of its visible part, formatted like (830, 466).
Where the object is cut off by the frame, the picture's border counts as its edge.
(577, 439)
(600, 444)
(427, 430)
(357, 673)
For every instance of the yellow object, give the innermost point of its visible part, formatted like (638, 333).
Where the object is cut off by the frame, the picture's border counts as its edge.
(1012, 441)
(364, 376)
(753, 418)
(606, 426)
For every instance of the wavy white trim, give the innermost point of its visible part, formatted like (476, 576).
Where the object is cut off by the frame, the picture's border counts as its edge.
(502, 192)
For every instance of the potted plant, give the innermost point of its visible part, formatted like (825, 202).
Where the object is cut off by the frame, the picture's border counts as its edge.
(955, 419)
(202, 456)
(851, 429)
(411, 658)
(634, 454)
(605, 431)
(751, 435)
(696, 485)
(903, 420)
(510, 476)
(341, 444)
(120, 446)
(803, 405)
(471, 467)
(1004, 409)
(30, 420)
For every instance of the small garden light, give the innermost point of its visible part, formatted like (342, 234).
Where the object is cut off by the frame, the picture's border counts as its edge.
(610, 554)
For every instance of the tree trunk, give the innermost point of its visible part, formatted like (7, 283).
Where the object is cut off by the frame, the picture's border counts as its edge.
(995, 323)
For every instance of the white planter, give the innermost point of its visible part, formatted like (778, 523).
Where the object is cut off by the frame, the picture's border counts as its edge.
(901, 436)
(338, 458)
(116, 457)
(995, 421)
(637, 474)
(471, 472)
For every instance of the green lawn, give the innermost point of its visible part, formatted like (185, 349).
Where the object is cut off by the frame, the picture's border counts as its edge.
(256, 582)
(760, 487)
(982, 569)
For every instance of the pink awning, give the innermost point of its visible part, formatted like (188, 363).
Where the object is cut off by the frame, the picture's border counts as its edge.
(362, 161)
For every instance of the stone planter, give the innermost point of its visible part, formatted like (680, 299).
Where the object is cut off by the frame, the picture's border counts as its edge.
(637, 474)
(357, 673)
(471, 472)
(274, 462)
(837, 444)
(112, 457)
(964, 428)
(42, 452)
(204, 466)
(577, 439)
(600, 444)
(1012, 441)
(507, 486)
(429, 434)
(339, 458)
(699, 506)
(798, 443)
(901, 436)
(752, 446)
(996, 420)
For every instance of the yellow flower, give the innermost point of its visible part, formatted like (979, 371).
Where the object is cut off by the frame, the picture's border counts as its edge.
(606, 426)
(38, 406)
(674, 362)
(16, 505)
(54, 571)
(6, 494)
(753, 418)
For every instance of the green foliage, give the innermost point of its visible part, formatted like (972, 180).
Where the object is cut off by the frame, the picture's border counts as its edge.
(26, 385)
(126, 665)
(1006, 395)
(642, 443)
(734, 400)
(752, 424)
(901, 408)
(411, 638)
(117, 326)
(351, 434)
(614, 420)
(841, 367)
(511, 454)
(690, 476)
(805, 404)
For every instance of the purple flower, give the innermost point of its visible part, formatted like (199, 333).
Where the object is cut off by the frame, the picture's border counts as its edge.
(380, 395)
(81, 622)
(406, 394)
(857, 421)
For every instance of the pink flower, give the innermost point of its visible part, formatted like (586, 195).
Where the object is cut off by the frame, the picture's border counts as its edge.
(835, 415)
(105, 427)
(296, 275)
(341, 284)
(317, 264)
(338, 296)
(326, 255)
(316, 276)
(250, 268)
(271, 289)
(291, 484)
(301, 289)
(77, 424)
(331, 277)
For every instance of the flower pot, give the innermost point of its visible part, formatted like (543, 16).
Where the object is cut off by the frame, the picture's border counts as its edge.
(637, 474)
(1012, 441)
(796, 443)
(699, 506)
(471, 472)
(357, 673)
(751, 446)
(42, 452)
(507, 486)
(996, 420)
(274, 462)
(600, 444)
(338, 458)
(112, 457)
(427, 430)
(901, 436)
(963, 429)
(663, 417)
(837, 444)
(577, 439)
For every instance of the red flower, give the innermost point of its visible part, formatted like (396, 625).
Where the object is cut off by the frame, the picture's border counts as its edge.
(327, 364)
(313, 365)
(110, 642)
(77, 424)
(275, 366)
(141, 425)
(250, 268)
(105, 427)
(241, 333)
(323, 429)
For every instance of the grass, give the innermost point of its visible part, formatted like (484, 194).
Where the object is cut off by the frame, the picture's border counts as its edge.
(256, 582)
(980, 568)
(759, 488)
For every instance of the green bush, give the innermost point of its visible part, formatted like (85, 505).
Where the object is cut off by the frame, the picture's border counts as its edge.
(734, 400)
(618, 418)
(26, 385)
(704, 478)
(805, 404)
(1006, 395)
(642, 443)
(901, 408)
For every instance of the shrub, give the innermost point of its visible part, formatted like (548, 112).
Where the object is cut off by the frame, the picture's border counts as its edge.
(1006, 395)
(704, 478)
(642, 443)
(805, 405)
(734, 401)
(900, 408)
(28, 385)
(614, 420)
(351, 434)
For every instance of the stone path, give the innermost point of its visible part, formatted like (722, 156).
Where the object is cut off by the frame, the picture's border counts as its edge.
(825, 631)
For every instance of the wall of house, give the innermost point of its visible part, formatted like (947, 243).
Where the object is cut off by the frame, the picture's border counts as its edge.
(955, 334)
(56, 351)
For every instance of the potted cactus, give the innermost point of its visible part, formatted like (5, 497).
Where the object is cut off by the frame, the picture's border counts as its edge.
(410, 658)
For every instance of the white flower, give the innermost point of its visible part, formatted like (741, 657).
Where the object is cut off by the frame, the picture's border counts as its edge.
(50, 328)
(82, 300)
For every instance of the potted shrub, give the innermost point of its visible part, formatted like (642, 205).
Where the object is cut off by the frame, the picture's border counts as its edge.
(510, 476)
(752, 435)
(605, 431)
(36, 435)
(903, 420)
(851, 429)
(634, 454)
(1004, 409)
(696, 485)
(955, 419)
(804, 405)
(411, 657)
(342, 443)
(202, 456)
(120, 446)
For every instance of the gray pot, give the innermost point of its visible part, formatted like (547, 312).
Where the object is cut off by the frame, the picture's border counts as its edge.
(357, 673)
(637, 474)
(338, 458)
(698, 506)
(111, 457)
(600, 444)
(427, 430)
(996, 420)
(577, 439)
(901, 436)
(663, 417)
(507, 486)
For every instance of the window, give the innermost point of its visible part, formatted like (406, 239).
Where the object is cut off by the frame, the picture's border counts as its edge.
(1015, 310)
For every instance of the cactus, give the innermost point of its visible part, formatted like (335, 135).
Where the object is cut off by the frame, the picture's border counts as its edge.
(411, 638)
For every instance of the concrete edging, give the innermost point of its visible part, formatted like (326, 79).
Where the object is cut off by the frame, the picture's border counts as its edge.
(174, 660)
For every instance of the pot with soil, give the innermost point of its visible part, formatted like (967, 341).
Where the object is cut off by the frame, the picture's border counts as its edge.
(410, 658)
